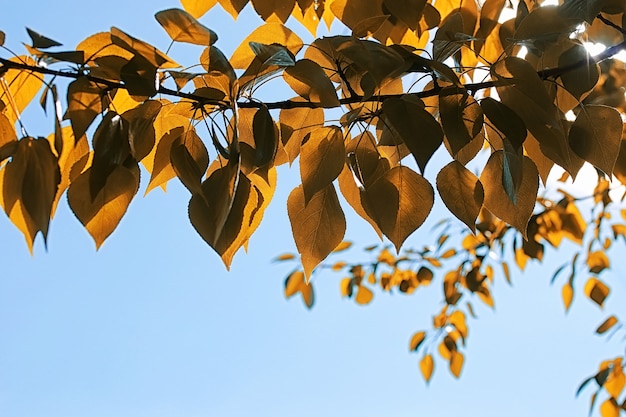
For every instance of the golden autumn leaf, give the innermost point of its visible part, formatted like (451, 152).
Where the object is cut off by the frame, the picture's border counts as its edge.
(416, 340)
(274, 9)
(456, 363)
(197, 8)
(461, 118)
(18, 89)
(363, 295)
(597, 291)
(399, 203)
(309, 81)
(321, 159)
(607, 324)
(597, 262)
(497, 199)
(318, 226)
(190, 159)
(183, 27)
(266, 34)
(295, 124)
(344, 245)
(84, 103)
(567, 293)
(609, 408)
(102, 213)
(462, 192)
(296, 283)
(427, 366)
(233, 7)
(141, 49)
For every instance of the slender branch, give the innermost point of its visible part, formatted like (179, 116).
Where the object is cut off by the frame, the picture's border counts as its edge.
(291, 104)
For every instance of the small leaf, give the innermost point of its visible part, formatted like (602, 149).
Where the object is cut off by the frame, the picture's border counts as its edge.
(607, 325)
(273, 54)
(456, 363)
(597, 262)
(183, 27)
(344, 245)
(416, 341)
(609, 408)
(318, 227)
(285, 257)
(267, 34)
(597, 291)
(265, 137)
(2, 38)
(364, 295)
(197, 8)
(427, 366)
(309, 81)
(567, 293)
(41, 42)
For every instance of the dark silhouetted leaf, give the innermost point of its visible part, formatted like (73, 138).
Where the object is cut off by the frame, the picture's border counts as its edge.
(461, 191)
(41, 42)
(321, 159)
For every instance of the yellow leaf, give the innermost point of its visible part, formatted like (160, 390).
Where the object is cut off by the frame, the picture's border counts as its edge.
(18, 88)
(456, 363)
(597, 291)
(462, 192)
(318, 227)
(416, 341)
(567, 293)
(616, 381)
(399, 202)
(233, 7)
(267, 34)
(285, 257)
(497, 199)
(386, 257)
(293, 283)
(101, 215)
(461, 118)
(344, 245)
(310, 82)
(142, 49)
(609, 408)
(346, 287)
(84, 104)
(364, 295)
(427, 366)
(322, 159)
(457, 319)
(197, 8)
(183, 27)
(597, 262)
(448, 254)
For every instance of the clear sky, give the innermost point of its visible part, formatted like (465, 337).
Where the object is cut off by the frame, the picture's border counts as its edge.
(153, 325)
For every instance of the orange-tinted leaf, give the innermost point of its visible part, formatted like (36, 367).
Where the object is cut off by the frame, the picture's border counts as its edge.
(456, 363)
(18, 88)
(295, 283)
(101, 215)
(416, 341)
(142, 49)
(266, 34)
(364, 295)
(318, 226)
(344, 245)
(265, 137)
(295, 124)
(399, 202)
(461, 118)
(7, 131)
(197, 8)
(322, 158)
(597, 262)
(274, 9)
(285, 257)
(567, 293)
(84, 103)
(309, 81)
(183, 27)
(233, 7)
(607, 325)
(415, 127)
(596, 136)
(427, 366)
(597, 291)
(497, 199)
(461, 191)
(609, 408)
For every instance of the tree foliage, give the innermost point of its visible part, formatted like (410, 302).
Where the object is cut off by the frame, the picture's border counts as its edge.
(508, 89)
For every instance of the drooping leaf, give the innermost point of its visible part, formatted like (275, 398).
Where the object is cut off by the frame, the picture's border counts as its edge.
(101, 214)
(456, 363)
(583, 78)
(190, 159)
(265, 137)
(309, 81)
(461, 118)
(597, 262)
(141, 48)
(399, 202)
(141, 133)
(597, 291)
(84, 103)
(427, 366)
(41, 42)
(295, 124)
(318, 227)
(321, 159)
(139, 77)
(197, 8)
(607, 324)
(497, 199)
(364, 295)
(596, 136)
(416, 128)
(416, 341)
(267, 34)
(505, 120)
(461, 191)
(296, 283)
(183, 27)
(274, 9)
(609, 408)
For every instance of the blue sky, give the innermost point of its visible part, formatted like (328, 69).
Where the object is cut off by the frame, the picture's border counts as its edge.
(153, 325)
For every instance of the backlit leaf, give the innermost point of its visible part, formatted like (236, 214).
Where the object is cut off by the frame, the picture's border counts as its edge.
(318, 226)
(496, 198)
(102, 214)
(190, 159)
(183, 27)
(609, 408)
(426, 367)
(461, 191)
(461, 118)
(416, 341)
(505, 120)
(597, 262)
(596, 136)
(266, 34)
(274, 9)
(567, 293)
(141, 48)
(399, 202)
(197, 8)
(309, 81)
(295, 124)
(597, 291)
(345, 245)
(321, 159)
(265, 137)
(23, 87)
(84, 103)
(41, 42)
(233, 7)
(456, 363)
(363, 295)
(416, 128)
(607, 325)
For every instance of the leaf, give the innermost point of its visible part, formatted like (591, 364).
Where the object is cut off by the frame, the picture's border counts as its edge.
(29, 187)
(274, 9)
(596, 136)
(141, 132)
(284, 257)
(426, 367)
(364, 295)
(41, 42)
(607, 325)
(84, 103)
(2, 38)
(407, 119)
(18, 88)
(344, 245)
(609, 408)
(456, 363)
(583, 78)
(139, 77)
(142, 49)
(446, 42)
(416, 341)
(183, 27)
(317, 227)
(597, 291)
(497, 199)
(398, 202)
(197, 8)
(101, 214)
(505, 120)
(322, 158)
(462, 192)
(190, 159)
(544, 25)
(295, 124)
(7, 131)
(265, 137)
(597, 262)
(233, 7)
(567, 293)
(309, 81)
(461, 118)
(267, 34)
